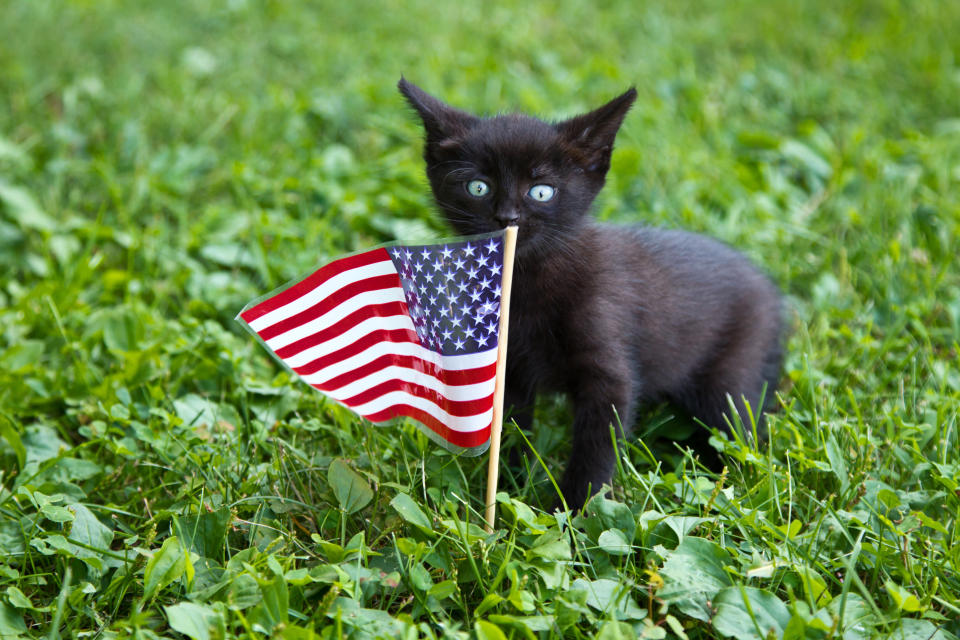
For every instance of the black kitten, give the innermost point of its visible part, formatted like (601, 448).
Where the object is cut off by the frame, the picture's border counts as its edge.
(613, 316)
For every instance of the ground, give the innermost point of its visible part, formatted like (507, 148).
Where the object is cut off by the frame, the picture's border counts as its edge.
(162, 164)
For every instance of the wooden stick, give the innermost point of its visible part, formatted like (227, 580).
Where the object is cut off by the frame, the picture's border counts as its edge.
(493, 470)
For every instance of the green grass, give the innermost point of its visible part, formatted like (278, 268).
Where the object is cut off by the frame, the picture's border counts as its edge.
(161, 164)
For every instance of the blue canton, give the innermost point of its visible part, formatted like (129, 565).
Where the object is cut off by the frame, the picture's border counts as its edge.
(453, 293)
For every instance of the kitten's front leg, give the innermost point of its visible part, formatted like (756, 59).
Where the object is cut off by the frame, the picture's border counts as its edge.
(602, 398)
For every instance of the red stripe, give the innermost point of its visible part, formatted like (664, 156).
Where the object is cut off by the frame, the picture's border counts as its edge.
(385, 310)
(314, 280)
(361, 345)
(389, 281)
(457, 438)
(458, 408)
(444, 376)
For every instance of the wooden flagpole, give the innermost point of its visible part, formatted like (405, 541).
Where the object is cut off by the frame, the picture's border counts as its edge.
(493, 470)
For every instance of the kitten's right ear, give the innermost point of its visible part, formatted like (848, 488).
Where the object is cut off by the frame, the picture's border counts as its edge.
(440, 120)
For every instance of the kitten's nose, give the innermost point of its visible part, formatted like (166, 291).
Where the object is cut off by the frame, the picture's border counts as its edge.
(507, 218)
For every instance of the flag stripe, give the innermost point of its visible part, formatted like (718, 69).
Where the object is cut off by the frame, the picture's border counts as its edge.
(374, 264)
(456, 423)
(358, 324)
(449, 377)
(373, 346)
(430, 384)
(458, 408)
(457, 438)
(374, 288)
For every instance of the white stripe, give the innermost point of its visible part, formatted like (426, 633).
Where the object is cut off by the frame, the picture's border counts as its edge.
(452, 363)
(348, 337)
(456, 423)
(457, 393)
(341, 311)
(326, 288)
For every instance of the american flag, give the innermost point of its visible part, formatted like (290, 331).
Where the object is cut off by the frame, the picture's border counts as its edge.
(397, 331)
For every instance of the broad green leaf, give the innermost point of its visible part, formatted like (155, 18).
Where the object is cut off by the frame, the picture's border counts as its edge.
(443, 589)
(204, 534)
(88, 529)
(24, 209)
(195, 411)
(913, 629)
(167, 564)
(420, 577)
(610, 598)
(272, 609)
(244, 592)
(42, 443)
(746, 612)
(902, 598)
(837, 463)
(693, 574)
(615, 543)
(192, 620)
(411, 512)
(11, 622)
(122, 330)
(552, 545)
(486, 630)
(489, 601)
(18, 599)
(615, 630)
(56, 513)
(603, 514)
(524, 623)
(350, 488)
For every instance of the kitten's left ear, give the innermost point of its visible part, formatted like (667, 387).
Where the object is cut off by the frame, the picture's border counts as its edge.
(592, 134)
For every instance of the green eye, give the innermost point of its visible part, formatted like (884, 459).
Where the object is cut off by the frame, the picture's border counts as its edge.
(478, 188)
(541, 192)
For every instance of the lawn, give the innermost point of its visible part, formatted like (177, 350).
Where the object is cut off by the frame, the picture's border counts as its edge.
(162, 164)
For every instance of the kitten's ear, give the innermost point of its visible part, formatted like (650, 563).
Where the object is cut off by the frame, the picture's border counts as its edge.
(592, 134)
(440, 120)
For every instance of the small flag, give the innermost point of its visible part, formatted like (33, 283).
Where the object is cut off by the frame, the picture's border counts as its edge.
(397, 331)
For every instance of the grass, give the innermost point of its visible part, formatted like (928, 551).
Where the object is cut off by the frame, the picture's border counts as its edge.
(161, 164)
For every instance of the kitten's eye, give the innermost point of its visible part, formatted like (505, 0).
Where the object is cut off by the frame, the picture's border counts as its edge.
(541, 192)
(478, 188)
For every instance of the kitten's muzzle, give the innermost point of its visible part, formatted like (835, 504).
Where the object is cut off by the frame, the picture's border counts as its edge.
(507, 218)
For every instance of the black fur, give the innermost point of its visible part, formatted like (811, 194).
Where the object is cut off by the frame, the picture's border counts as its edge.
(613, 316)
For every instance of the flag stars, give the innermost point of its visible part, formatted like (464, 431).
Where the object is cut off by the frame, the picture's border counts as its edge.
(453, 293)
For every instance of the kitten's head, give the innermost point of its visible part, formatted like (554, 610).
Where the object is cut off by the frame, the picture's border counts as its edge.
(487, 173)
